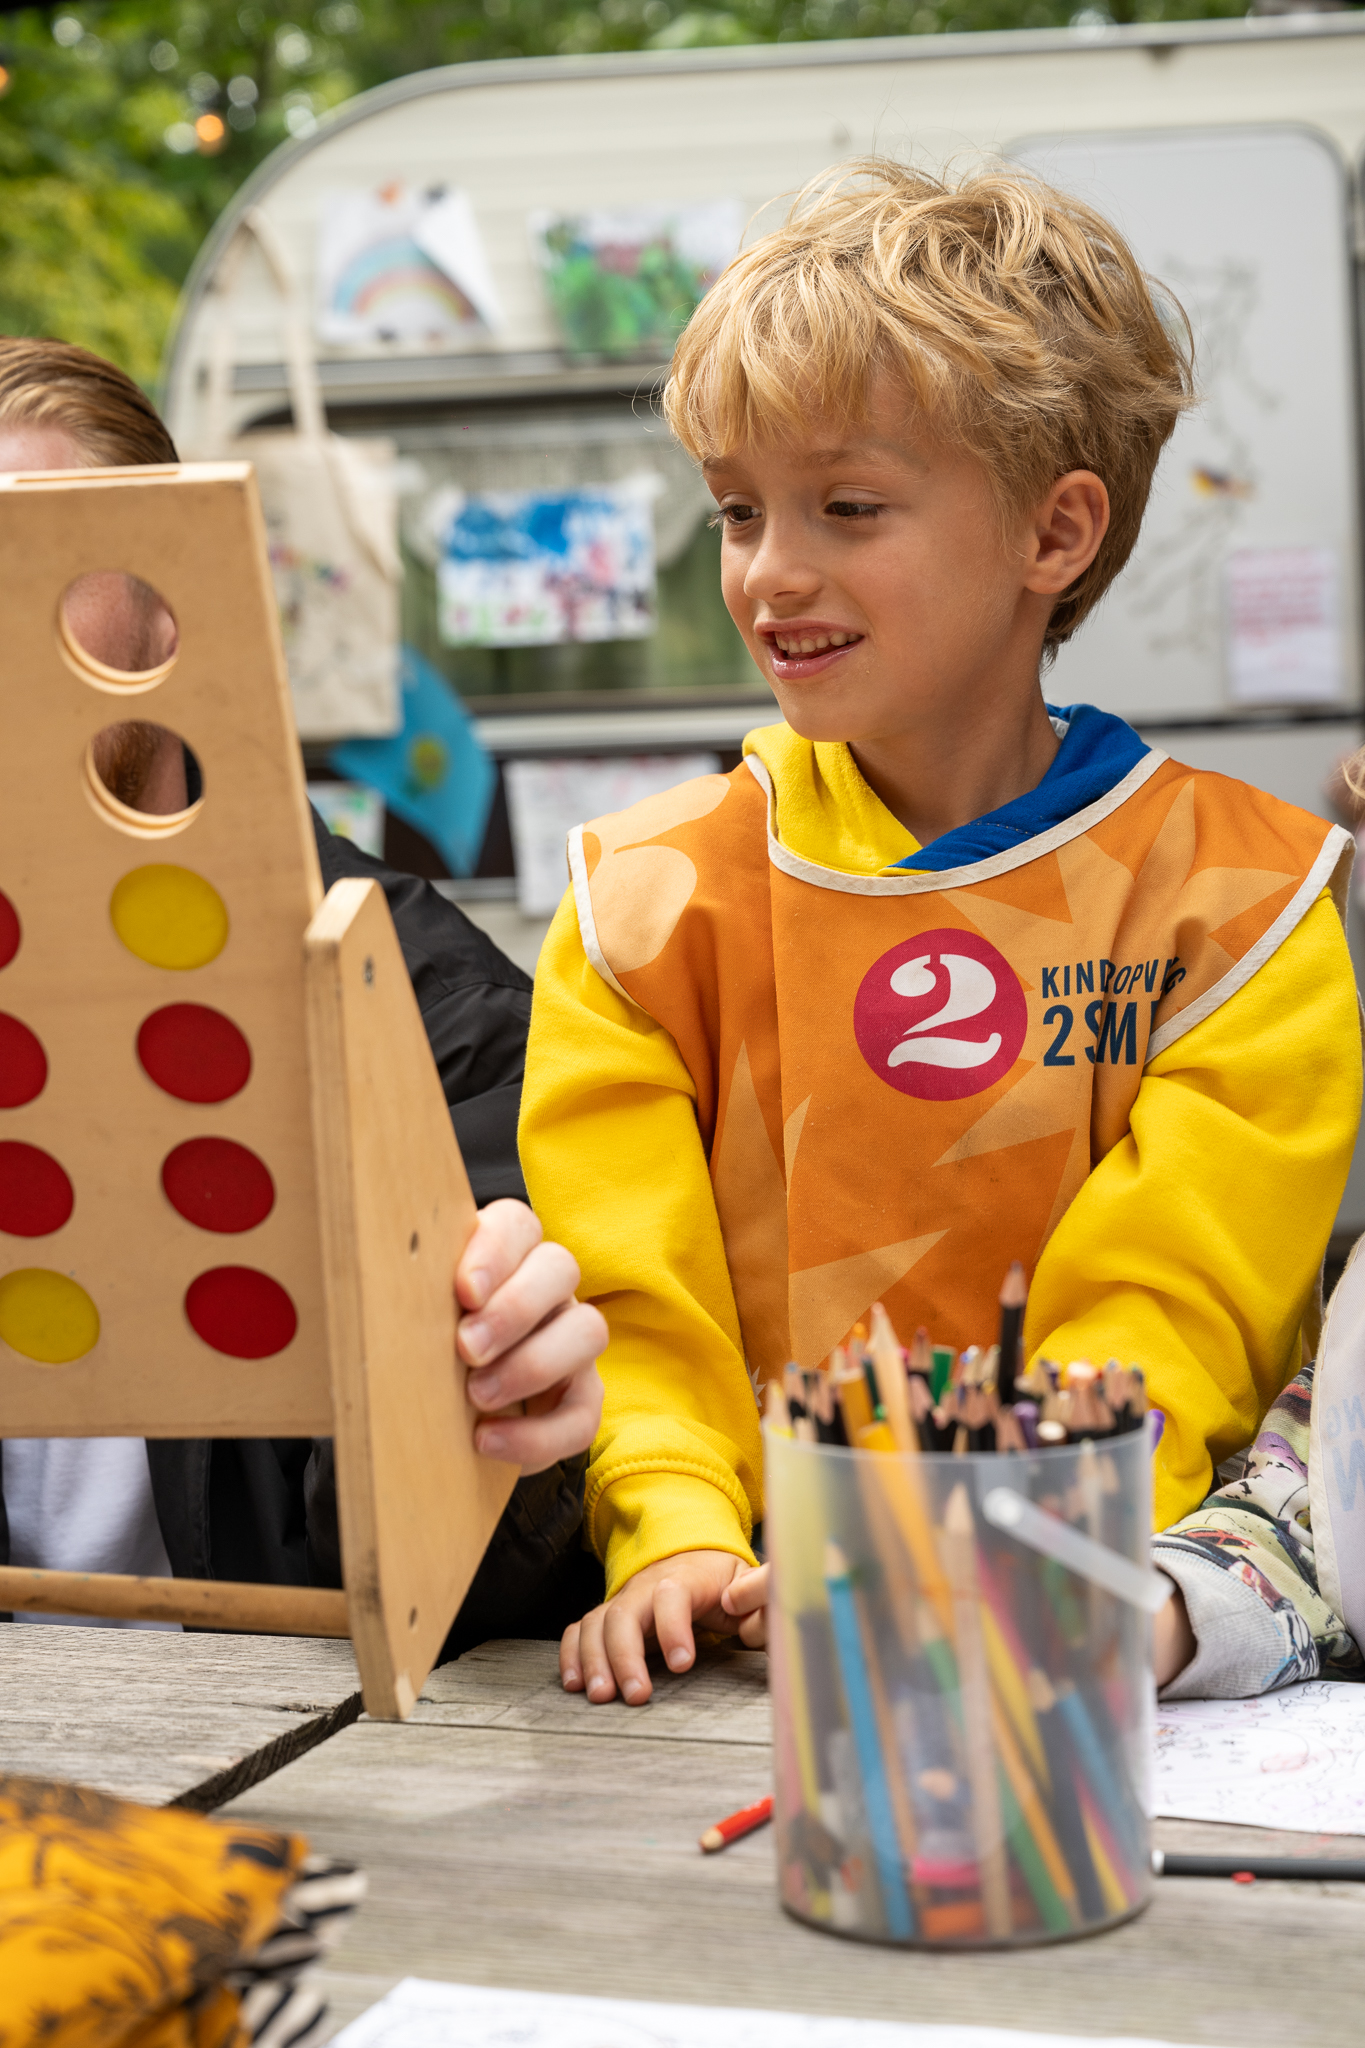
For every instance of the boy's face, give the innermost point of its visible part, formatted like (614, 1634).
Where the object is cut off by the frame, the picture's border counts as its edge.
(867, 571)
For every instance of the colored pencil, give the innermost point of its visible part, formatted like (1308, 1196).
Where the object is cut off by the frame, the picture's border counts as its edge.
(736, 1824)
(959, 1557)
(900, 1918)
(1170, 1863)
(1066, 1806)
(885, 1352)
(1013, 1298)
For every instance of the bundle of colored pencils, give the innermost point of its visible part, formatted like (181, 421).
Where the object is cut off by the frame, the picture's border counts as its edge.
(930, 1398)
(960, 1722)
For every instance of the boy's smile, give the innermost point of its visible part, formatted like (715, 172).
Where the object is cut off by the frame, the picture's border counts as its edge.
(805, 647)
(875, 588)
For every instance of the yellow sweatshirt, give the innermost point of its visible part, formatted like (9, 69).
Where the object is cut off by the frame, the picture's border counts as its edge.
(1193, 1246)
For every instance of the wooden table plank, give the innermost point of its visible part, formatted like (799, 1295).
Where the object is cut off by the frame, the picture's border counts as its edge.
(516, 1836)
(516, 1686)
(166, 1717)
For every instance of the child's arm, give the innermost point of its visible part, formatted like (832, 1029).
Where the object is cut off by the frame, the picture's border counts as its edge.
(617, 1170)
(1194, 1248)
(1243, 1563)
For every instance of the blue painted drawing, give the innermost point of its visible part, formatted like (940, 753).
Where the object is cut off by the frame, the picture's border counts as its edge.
(533, 568)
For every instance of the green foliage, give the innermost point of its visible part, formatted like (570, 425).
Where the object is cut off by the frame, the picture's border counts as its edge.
(126, 125)
(85, 260)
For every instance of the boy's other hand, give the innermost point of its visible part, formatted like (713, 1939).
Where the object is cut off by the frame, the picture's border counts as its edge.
(746, 1597)
(605, 1652)
(528, 1341)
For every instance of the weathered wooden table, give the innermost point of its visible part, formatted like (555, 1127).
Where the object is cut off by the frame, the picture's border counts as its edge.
(167, 1718)
(515, 1835)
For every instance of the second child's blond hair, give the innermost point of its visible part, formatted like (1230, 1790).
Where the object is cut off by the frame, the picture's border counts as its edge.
(1018, 321)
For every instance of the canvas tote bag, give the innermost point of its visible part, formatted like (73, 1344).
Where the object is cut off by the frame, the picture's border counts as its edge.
(331, 511)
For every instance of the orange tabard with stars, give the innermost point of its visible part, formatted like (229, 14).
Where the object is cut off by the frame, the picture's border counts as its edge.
(903, 1080)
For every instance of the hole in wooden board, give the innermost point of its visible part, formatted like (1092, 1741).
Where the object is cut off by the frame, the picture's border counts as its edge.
(47, 1316)
(413, 1242)
(143, 778)
(194, 1053)
(217, 1184)
(117, 631)
(412, 1618)
(23, 1063)
(240, 1312)
(11, 931)
(36, 1196)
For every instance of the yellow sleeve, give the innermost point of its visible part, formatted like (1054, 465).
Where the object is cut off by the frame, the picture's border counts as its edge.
(1194, 1248)
(616, 1170)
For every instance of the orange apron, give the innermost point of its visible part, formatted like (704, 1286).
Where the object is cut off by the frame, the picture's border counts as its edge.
(903, 1080)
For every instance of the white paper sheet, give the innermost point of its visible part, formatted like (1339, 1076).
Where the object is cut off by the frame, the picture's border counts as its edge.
(419, 2014)
(1283, 626)
(1291, 1759)
(546, 799)
(402, 265)
(352, 811)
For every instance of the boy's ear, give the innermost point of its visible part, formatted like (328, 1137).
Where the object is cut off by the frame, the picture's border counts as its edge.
(1065, 532)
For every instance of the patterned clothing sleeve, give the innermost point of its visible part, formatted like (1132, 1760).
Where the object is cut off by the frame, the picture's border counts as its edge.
(1244, 1562)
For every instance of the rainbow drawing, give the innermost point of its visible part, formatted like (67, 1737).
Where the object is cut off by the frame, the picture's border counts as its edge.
(375, 281)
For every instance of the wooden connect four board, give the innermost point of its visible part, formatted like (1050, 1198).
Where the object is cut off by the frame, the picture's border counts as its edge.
(231, 1201)
(160, 1263)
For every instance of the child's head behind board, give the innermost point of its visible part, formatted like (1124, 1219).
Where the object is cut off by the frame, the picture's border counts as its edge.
(63, 408)
(930, 413)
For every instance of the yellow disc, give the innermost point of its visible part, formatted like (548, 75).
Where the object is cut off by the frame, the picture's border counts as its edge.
(169, 917)
(47, 1317)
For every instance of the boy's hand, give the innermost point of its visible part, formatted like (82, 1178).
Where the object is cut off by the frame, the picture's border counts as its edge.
(606, 1649)
(530, 1341)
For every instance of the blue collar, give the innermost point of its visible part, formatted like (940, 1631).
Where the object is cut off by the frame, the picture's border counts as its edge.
(1097, 751)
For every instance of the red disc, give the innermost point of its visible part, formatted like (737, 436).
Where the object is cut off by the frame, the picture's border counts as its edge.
(240, 1312)
(23, 1063)
(218, 1185)
(10, 933)
(35, 1195)
(194, 1053)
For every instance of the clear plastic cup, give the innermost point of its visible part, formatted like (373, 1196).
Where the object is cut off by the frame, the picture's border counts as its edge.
(962, 1724)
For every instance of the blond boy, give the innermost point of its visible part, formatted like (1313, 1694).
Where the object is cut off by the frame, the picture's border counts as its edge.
(939, 977)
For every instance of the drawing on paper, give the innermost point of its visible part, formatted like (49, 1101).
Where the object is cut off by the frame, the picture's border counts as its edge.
(536, 568)
(626, 282)
(1173, 589)
(399, 264)
(1290, 1759)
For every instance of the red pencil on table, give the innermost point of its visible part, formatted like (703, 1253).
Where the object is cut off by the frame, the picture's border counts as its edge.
(742, 1823)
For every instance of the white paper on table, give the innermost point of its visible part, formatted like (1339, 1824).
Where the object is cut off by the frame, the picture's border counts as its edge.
(420, 2014)
(546, 799)
(1290, 1759)
(1283, 612)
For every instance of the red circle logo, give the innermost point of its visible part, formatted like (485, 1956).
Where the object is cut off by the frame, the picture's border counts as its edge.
(940, 1016)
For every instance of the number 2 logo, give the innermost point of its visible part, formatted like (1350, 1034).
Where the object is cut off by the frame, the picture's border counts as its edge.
(940, 1016)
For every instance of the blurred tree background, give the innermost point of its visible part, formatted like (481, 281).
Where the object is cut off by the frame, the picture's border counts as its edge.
(125, 125)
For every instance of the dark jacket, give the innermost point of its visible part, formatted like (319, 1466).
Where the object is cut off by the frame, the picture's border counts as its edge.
(264, 1509)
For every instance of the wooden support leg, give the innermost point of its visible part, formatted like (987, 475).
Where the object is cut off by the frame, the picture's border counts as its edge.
(198, 1603)
(417, 1504)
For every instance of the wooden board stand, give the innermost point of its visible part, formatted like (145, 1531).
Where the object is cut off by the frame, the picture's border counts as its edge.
(261, 1222)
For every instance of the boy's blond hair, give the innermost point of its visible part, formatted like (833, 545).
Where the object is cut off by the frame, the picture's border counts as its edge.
(1017, 317)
